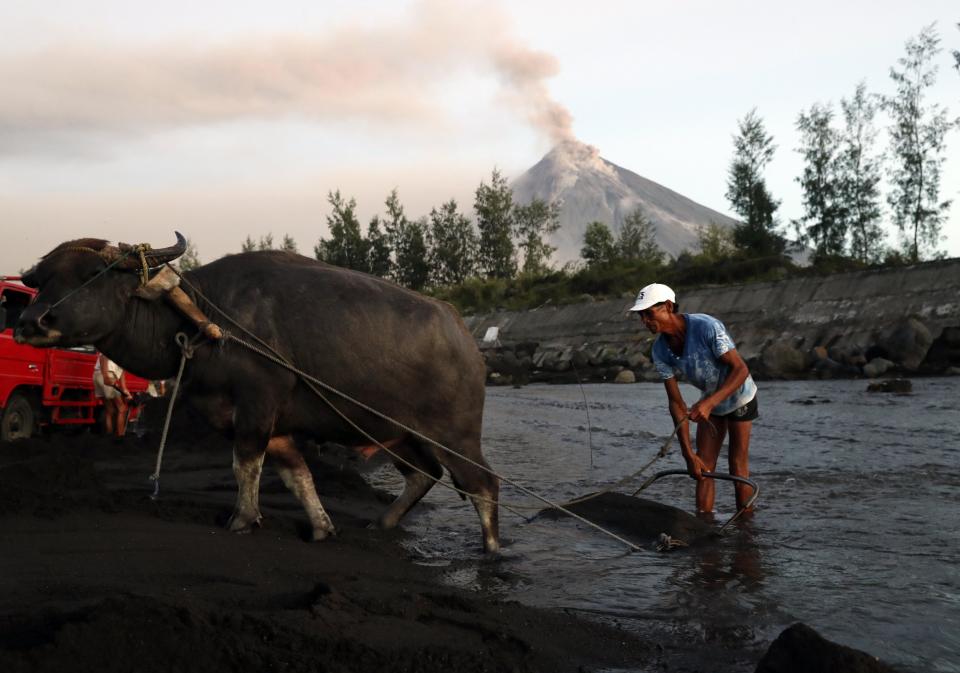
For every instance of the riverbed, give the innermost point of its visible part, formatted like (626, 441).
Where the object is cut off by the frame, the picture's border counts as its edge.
(855, 531)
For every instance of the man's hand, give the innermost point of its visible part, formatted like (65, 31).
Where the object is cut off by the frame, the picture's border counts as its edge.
(695, 466)
(701, 411)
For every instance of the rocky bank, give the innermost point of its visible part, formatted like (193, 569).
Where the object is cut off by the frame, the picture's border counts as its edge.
(903, 321)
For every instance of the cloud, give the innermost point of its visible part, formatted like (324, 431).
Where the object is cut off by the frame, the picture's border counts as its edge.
(90, 89)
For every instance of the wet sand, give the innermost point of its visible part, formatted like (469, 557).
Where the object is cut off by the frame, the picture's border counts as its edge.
(96, 576)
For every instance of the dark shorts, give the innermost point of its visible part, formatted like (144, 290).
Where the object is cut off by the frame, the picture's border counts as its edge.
(748, 412)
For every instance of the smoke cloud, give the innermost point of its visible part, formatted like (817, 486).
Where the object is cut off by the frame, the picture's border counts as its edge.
(384, 74)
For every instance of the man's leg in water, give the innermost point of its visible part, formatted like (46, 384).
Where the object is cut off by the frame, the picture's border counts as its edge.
(740, 457)
(709, 443)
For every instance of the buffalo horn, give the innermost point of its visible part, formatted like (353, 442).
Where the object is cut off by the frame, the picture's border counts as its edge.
(156, 256)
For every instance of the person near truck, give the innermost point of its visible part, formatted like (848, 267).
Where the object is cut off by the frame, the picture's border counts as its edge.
(698, 346)
(110, 385)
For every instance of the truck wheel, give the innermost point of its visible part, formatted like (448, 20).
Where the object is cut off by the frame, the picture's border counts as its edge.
(19, 420)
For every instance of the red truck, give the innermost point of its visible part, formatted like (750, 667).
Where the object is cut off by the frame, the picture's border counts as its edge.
(43, 386)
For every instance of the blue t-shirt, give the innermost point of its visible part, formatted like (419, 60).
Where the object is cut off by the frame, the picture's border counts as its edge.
(706, 341)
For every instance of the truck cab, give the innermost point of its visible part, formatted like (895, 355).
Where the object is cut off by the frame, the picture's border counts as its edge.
(43, 386)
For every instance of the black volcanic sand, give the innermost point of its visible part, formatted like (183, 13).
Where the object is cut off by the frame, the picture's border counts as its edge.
(96, 576)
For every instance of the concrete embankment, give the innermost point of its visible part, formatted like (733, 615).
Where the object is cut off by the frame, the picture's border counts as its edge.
(866, 323)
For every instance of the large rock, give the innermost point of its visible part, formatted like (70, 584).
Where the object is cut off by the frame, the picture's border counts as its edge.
(899, 386)
(782, 360)
(945, 351)
(907, 343)
(625, 376)
(800, 649)
(877, 367)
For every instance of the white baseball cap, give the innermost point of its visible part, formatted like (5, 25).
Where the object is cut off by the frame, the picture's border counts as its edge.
(653, 294)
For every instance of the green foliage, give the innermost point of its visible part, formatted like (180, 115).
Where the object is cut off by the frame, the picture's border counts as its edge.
(956, 56)
(408, 241)
(747, 189)
(453, 245)
(412, 268)
(249, 245)
(599, 248)
(917, 145)
(494, 206)
(825, 213)
(534, 222)
(716, 243)
(190, 259)
(636, 242)
(289, 245)
(860, 177)
(345, 247)
(378, 250)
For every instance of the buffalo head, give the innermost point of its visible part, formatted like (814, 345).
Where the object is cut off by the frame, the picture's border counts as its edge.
(80, 300)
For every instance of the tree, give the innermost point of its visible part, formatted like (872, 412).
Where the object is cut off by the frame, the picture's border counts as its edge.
(716, 242)
(190, 259)
(637, 240)
(289, 245)
(495, 222)
(917, 143)
(408, 241)
(956, 56)
(453, 245)
(378, 250)
(747, 189)
(265, 242)
(249, 245)
(533, 223)
(860, 176)
(824, 216)
(346, 246)
(599, 248)
(412, 268)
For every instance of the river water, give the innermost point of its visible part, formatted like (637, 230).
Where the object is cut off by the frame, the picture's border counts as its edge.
(857, 529)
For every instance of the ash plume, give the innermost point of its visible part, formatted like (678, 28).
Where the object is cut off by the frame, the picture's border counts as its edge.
(385, 74)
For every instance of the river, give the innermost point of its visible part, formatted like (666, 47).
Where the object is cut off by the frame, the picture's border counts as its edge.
(857, 529)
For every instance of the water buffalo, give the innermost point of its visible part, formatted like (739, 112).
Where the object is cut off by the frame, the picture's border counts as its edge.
(406, 355)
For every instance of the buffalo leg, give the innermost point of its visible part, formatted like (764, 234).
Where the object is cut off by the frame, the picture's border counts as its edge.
(296, 475)
(484, 486)
(248, 454)
(416, 484)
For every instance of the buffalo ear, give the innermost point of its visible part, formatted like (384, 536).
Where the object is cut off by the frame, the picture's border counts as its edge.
(30, 278)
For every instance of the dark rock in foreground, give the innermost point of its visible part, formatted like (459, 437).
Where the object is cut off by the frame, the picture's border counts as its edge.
(800, 649)
(899, 386)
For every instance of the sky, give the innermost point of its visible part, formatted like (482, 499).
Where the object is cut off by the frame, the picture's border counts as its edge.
(228, 118)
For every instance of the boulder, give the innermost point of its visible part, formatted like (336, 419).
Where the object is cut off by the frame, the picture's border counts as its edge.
(877, 367)
(945, 351)
(800, 649)
(818, 353)
(636, 359)
(907, 343)
(783, 360)
(829, 369)
(625, 376)
(580, 358)
(899, 386)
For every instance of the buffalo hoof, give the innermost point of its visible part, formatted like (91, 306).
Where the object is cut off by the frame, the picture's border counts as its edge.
(321, 534)
(242, 525)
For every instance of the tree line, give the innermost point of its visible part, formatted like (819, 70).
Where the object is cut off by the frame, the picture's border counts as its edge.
(843, 170)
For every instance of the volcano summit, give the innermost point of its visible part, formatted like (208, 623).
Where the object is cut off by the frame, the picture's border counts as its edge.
(590, 188)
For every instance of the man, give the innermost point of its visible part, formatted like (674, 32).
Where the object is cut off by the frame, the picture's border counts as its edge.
(698, 346)
(110, 384)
